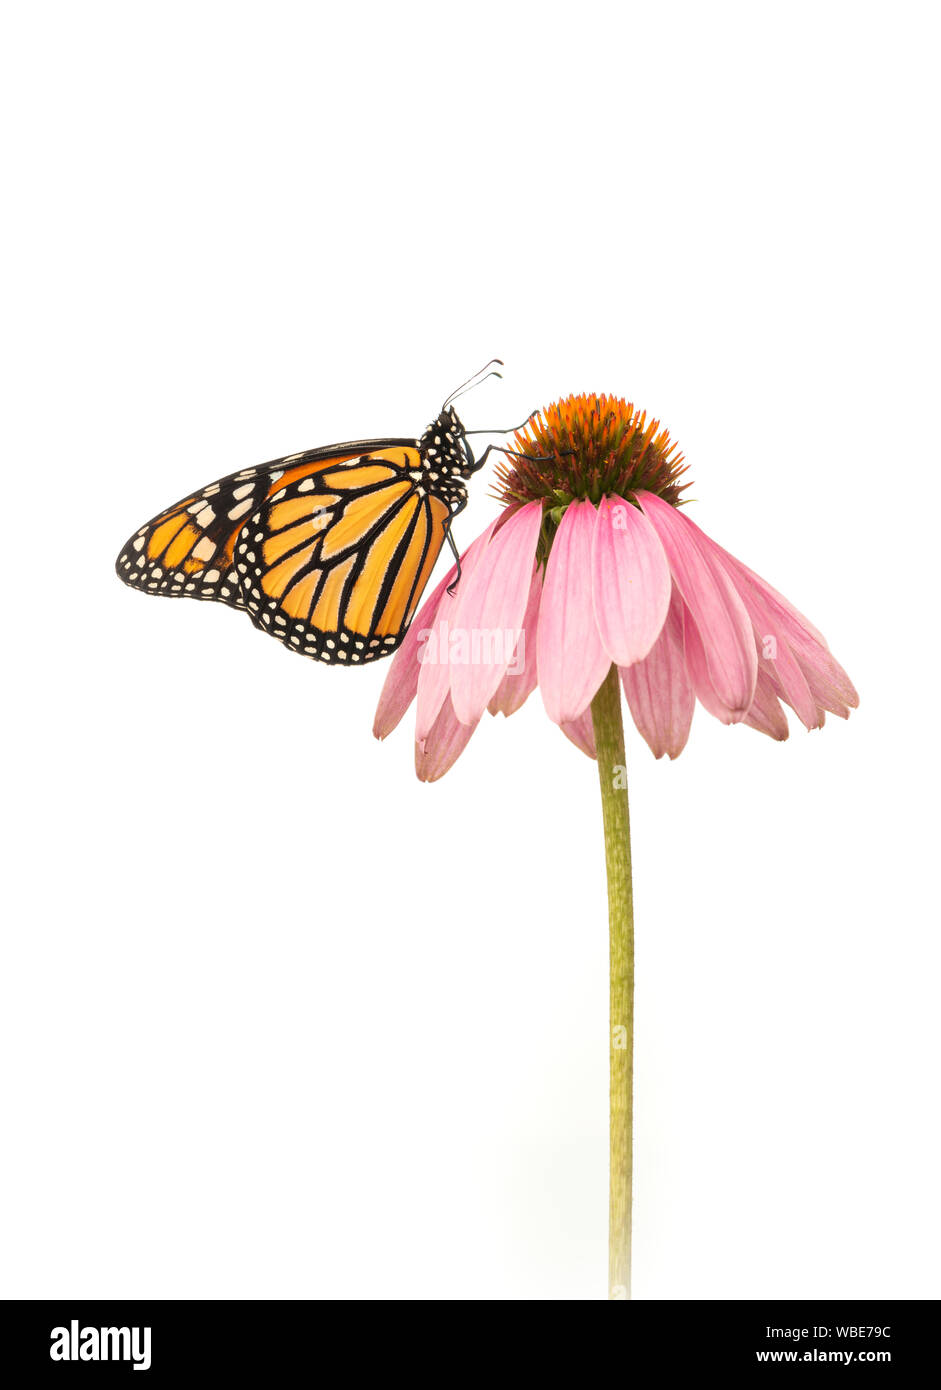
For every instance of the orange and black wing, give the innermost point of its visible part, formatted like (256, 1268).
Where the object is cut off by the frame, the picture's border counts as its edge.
(328, 550)
(186, 551)
(333, 563)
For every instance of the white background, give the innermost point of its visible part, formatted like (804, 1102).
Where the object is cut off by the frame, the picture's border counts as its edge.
(276, 1019)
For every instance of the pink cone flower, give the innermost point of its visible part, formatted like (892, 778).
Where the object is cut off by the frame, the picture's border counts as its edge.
(593, 562)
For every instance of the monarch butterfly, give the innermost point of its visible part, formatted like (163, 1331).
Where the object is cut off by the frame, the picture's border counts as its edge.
(327, 550)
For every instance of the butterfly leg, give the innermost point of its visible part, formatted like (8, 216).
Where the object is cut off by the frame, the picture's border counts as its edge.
(513, 428)
(454, 550)
(457, 560)
(476, 464)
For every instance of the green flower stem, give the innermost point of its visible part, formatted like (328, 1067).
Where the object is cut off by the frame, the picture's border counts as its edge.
(612, 773)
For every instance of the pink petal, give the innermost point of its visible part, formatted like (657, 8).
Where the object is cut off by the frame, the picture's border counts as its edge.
(435, 669)
(630, 581)
(697, 668)
(490, 608)
(517, 685)
(401, 683)
(767, 670)
(766, 714)
(571, 659)
(829, 685)
(787, 609)
(775, 655)
(728, 643)
(659, 691)
(581, 732)
(774, 652)
(444, 744)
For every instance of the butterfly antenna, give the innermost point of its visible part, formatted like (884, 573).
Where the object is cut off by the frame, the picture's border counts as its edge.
(475, 380)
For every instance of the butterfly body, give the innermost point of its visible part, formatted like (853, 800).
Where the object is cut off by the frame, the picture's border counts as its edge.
(328, 550)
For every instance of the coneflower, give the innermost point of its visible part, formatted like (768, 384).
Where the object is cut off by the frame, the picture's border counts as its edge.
(592, 578)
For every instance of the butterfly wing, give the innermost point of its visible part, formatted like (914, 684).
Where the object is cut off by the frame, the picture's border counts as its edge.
(328, 550)
(187, 550)
(335, 560)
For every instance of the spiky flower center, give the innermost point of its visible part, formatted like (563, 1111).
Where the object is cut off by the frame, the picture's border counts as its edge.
(589, 447)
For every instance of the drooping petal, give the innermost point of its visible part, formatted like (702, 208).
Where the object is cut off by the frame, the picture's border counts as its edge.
(697, 668)
(520, 679)
(829, 684)
(490, 608)
(571, 658)
(766, 714)
(768, 672)
(401, 683)
(434, 677)
(774, 652)
(775, 655)
(777, 600)
(630, 581)
(659, 691)
(830, 687)
(581, 732)
(713, 603)
(445, 742)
